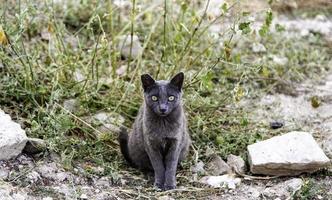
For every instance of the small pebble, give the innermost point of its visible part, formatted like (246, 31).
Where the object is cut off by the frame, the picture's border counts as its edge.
(276, 125)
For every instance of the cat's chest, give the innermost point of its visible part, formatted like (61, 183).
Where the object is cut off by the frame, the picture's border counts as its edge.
(164, 134)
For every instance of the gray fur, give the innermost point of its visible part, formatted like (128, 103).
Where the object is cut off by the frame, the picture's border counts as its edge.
(159, 140)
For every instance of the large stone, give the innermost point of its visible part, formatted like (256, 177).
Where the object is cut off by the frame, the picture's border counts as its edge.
(289, 154)
(236, 163)
(12, 137)
(125, 44)
(218, 166)
(108, 122)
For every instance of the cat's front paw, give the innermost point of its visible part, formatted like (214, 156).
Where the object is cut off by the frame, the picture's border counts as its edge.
(158, 186)
(169, 187)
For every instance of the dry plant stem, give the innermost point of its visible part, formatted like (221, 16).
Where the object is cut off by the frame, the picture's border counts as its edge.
(195, 80)
(93, 62)
(18, 56)
(131, 34)
(164, 53)
(248, 177)
(125, 28)
(189, 189)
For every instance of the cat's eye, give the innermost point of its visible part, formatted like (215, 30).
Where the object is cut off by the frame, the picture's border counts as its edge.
(171, 98)
(154, 98)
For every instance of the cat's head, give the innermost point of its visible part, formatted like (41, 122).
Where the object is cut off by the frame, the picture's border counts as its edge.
(162, 97)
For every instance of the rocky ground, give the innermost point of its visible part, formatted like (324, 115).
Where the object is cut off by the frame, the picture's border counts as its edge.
(306, 107)
(42, 177)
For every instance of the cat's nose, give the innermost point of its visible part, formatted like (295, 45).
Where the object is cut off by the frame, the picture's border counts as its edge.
(163, 108)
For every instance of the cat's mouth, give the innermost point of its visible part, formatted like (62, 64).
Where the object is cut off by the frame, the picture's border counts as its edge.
(163, 114)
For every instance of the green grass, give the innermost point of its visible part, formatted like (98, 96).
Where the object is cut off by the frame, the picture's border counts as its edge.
(38, 75)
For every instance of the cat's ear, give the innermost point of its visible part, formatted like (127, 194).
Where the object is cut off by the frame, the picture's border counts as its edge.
(147, 81)
(177, 80)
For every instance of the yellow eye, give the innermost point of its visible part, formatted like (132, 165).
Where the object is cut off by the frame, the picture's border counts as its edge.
(154, 98)
(171, 98)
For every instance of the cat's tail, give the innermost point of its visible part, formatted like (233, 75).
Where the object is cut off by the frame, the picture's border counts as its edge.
(123, 140)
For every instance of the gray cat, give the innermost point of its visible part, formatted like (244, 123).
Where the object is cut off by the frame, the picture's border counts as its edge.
(159, 139)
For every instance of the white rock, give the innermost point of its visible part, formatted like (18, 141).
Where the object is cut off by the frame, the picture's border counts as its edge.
(254, 192)
(33, 177)
(70, 105)
(258, 48)
(198, 168)
(280, 60)
(283, 190)
(84, 196)
(103, 182)
(19, 196)
(125, 44)
(48, 170)
(304, 32)
(12, 137)
(62, 176)
(321, 17)
(71, 41)
(305, 26)
(121, 70)
(105, 196)
(228, 180)
(122, 3)
(4, 173)
(236, 163)
(45, 34)
(290, 154)
(165, 198)
(47, 198)
(8, 192)
(78, 76)
(67, 190)
(109, 121)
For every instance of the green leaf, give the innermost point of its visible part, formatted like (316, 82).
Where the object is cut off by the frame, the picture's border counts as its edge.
(219, 140)
(238, 93)
(315, 102)
(184, 6)
(207, 80)
(266, 26)
(245, 13)
(224, 7)
(245, 27)
(279, 28)
(265, 72)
